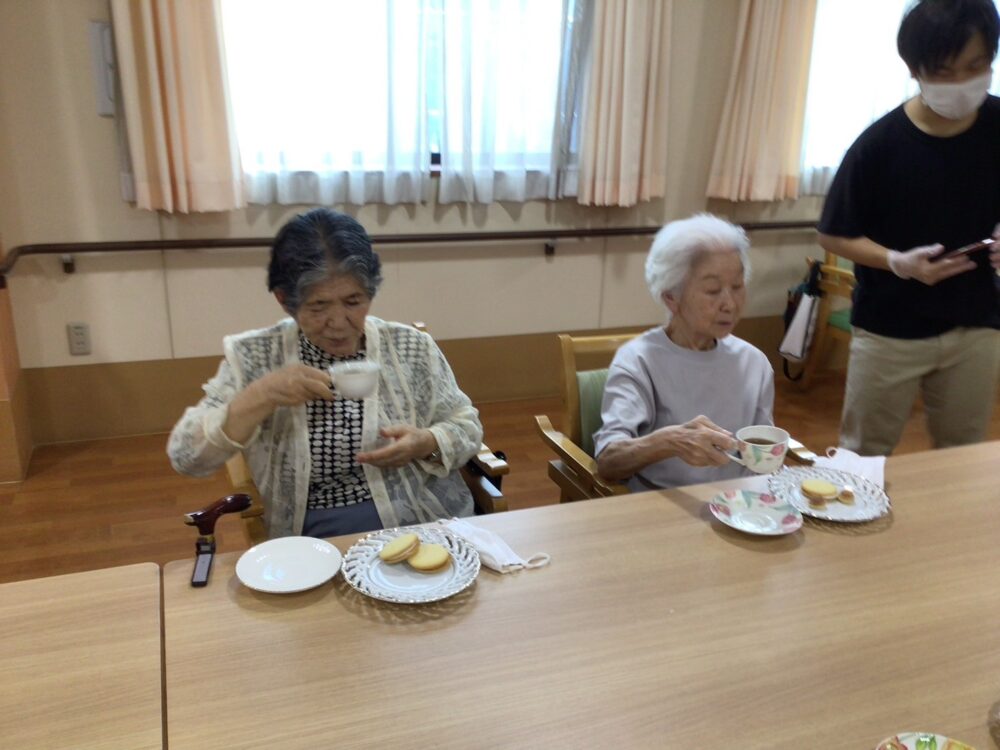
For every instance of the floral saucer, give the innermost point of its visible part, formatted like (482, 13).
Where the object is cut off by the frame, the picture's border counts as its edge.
(921, 741)
(755, 512)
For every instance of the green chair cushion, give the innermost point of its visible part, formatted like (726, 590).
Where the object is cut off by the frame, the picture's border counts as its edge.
(591, 386)
(841, 319)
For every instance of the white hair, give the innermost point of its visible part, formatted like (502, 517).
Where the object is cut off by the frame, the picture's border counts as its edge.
(679, 245)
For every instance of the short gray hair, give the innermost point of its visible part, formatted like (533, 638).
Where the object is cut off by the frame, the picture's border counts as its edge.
(316, 246)
(679, 245)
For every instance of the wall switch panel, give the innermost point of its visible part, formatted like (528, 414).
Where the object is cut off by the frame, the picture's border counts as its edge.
(79, 338)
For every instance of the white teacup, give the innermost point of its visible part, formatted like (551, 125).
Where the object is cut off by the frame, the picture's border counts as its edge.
(762, 448)
(354, 380)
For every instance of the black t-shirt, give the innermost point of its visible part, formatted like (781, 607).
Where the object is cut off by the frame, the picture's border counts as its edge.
(904, 188)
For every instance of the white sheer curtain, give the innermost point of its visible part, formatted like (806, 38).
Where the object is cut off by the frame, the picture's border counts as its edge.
(578, 24)
(855, 77)
(329, 99)
(500, 74)
(343, 101)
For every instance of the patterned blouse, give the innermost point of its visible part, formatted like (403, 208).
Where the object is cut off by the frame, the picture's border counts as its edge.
(337, 479)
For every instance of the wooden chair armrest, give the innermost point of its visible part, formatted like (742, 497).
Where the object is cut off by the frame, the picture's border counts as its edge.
(257, 506)
(253, 517)
(834, 273)
(486, 496)
(575, 458)
(839, 276)
(490, 463)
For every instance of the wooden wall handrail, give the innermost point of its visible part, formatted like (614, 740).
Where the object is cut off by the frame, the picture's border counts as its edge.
(548, 235)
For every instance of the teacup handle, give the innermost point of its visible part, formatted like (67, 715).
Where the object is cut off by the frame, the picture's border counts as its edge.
(737, 459)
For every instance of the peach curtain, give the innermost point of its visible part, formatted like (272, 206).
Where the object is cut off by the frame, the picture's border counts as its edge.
(758, 151)
(623, 148)
(180, 128)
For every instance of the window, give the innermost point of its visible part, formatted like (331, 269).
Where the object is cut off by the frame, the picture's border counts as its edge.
(345, 101)
(855, 77)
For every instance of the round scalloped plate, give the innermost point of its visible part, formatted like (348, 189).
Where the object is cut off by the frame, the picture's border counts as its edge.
(870, 500)
(366, 572)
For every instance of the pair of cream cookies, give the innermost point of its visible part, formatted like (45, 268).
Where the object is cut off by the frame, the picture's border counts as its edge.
(819, 492)
(422, 557)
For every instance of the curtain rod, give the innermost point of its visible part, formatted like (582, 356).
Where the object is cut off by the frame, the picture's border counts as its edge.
(548, 235)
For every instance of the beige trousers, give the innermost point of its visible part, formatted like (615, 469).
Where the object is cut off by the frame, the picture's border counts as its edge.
(957, 373)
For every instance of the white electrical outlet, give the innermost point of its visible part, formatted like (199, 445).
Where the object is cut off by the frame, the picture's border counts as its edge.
(79, 338)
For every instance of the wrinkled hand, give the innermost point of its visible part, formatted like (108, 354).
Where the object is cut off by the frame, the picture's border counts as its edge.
(701, 442)
(407, 444)
(916, 264)
(995, 251)
(295, 384)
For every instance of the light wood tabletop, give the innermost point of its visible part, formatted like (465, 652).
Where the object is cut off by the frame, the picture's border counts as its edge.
(654, 626)
(80, 660)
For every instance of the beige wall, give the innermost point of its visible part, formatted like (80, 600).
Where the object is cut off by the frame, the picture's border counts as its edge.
(59, 182)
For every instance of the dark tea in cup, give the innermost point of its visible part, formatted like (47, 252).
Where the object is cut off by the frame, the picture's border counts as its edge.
(761, 448)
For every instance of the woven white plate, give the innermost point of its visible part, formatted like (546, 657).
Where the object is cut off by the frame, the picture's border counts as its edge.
(870, 500)
(365, 571)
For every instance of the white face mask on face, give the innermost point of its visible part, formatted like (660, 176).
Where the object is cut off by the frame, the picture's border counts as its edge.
(954, 101)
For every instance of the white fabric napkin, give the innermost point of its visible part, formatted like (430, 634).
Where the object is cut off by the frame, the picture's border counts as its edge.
(493, 551)
(871, 468)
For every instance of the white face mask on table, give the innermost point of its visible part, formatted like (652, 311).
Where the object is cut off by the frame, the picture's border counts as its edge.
(954, 101)
(494, 552)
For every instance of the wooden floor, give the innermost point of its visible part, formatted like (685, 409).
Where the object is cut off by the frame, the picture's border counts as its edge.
(113, 502)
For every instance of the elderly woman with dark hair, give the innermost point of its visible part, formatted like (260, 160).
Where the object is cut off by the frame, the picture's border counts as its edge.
(676, 394)
(330, 465)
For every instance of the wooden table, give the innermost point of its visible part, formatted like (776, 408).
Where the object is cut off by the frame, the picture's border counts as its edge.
(80, 661)
(654, 627)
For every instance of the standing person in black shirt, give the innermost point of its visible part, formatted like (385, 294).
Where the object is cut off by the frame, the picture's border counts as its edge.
(922, 180)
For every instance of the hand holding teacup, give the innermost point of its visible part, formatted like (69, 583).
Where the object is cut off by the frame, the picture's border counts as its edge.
(290, 385)
(762, 448)
(698, 442)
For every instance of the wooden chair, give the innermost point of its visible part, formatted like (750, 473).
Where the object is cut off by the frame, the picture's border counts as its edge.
(575, 470)
(242, 482)
(833, 322)
(483, 475)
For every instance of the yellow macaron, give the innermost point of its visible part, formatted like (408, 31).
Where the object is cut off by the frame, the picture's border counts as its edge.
(846, 496)
(818, 492)
(430, 558)
(401, 548)
(819, 489)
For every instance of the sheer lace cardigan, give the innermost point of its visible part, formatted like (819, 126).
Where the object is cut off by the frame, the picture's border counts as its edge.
(416, 387)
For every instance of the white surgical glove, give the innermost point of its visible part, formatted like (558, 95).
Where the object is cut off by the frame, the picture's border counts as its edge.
(995, 250)
(917, 264)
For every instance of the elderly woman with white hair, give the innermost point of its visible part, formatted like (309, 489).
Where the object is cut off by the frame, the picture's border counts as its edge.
(676, 394)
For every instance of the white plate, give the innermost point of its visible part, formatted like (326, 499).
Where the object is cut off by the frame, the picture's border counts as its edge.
(288, 564)
(870, 500)
(755, 512)
(369, 574)
(920, 741)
